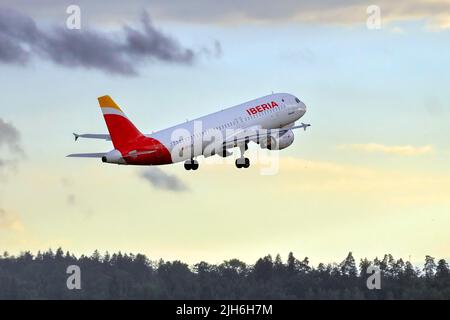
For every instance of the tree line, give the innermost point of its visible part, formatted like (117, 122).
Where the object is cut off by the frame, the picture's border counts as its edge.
(129, 276)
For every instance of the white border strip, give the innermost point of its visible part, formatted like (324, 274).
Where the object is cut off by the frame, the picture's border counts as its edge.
(113, 111)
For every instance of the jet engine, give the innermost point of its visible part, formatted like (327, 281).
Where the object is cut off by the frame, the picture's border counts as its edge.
(114, 156)
(272, 142)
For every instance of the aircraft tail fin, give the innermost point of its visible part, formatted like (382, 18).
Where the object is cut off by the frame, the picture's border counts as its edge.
(120, 128)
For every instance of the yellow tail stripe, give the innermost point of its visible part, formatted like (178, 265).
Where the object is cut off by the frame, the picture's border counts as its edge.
(107, 102)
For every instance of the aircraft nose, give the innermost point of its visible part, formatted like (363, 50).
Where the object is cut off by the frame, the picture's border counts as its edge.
(301, 107)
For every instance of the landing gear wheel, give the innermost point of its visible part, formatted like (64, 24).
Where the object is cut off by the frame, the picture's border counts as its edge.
(247, 163)
(191, 164)
(242, 163)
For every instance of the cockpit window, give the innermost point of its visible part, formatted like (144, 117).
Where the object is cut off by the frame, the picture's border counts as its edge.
(297, 100)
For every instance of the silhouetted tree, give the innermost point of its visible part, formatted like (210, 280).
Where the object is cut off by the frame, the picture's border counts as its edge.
(278, 264)
(348, 266)
(442, 270)
(107, 257)
(291, 263)
(430, 267)
(410, 271)
(130, 276)
(263, 268)
(96, 256)
(364, 265)
(303, 266)
(398, 268)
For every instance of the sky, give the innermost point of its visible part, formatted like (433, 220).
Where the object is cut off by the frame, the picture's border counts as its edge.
(369, 176)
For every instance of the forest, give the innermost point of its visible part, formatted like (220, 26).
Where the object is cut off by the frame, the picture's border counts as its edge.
(128, 276)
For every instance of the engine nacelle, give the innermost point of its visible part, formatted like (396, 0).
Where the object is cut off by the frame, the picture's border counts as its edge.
(114, 156)
(278, 143)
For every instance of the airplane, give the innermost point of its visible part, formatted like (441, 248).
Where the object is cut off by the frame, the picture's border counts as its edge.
(267, 121)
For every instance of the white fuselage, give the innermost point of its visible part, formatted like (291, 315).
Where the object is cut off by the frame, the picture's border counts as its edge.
(273, 111)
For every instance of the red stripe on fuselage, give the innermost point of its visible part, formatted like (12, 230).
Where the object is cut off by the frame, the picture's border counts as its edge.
(157, 152)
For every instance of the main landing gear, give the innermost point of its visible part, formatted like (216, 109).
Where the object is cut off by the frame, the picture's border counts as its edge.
(242, 162)
(191, 164)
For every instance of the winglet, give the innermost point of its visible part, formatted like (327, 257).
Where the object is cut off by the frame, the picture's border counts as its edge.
(76, 136)
(107, 102)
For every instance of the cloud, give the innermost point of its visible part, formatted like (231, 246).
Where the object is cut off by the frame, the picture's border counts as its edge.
(396, 150)
(326, 168)
(217, 49)
(10, 137)
(73, 197)
(10, 221)
(9, 140)
(341, 183)
(71, 200)
(348, 182)
(434, 13)
(21, 39)
(328, 12)
(161, 180)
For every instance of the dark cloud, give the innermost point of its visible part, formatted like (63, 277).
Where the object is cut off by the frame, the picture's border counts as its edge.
(21, 39)
(11, 52)
(17, 33)
(325, 12)
(153, 43)
(10, 148)
(10, 152)
(161, 180)
(232, 12)
(10, 137)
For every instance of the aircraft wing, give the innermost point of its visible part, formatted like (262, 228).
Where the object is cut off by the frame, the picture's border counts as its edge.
(100, 136)
(86, 155)
(254, 133)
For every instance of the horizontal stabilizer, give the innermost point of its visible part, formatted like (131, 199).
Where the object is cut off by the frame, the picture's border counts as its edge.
(106, 137)
(86, 155)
